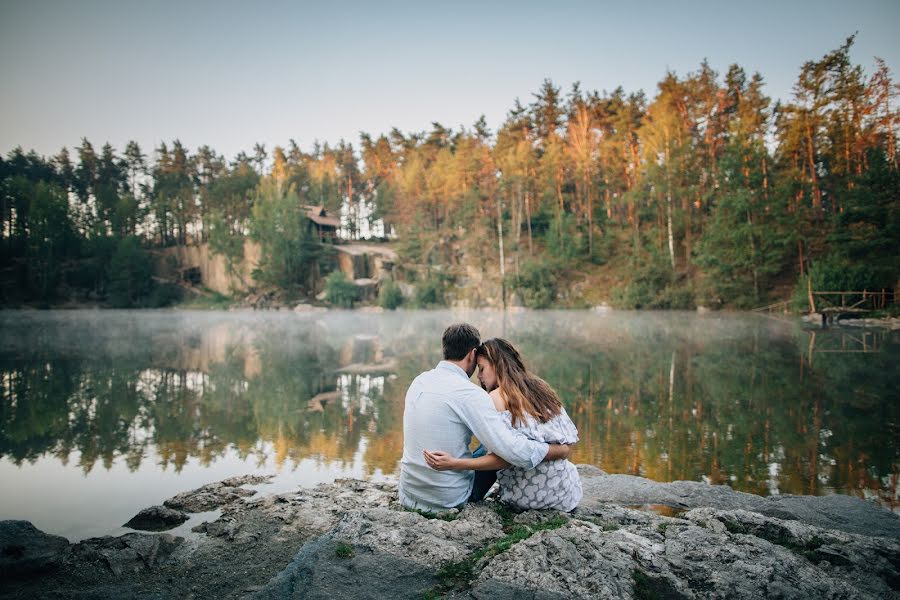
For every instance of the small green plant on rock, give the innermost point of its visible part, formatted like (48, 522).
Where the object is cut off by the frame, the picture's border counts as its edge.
(343, 550)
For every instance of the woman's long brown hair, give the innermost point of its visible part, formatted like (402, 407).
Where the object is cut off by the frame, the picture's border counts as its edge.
(524, 392)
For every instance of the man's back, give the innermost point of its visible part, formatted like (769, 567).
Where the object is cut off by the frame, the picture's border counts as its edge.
(443, 410)
(431, 422)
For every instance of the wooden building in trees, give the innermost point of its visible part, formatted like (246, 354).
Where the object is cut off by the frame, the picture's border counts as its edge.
(323, 226)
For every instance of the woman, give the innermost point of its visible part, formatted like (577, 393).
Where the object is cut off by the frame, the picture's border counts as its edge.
(531, 406)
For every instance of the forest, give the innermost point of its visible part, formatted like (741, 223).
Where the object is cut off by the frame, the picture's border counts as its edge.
(707, 194)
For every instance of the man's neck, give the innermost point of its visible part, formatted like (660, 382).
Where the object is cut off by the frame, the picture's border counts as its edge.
(459, 363)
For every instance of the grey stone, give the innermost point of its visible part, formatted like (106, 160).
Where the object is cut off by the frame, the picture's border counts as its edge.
(128, 554)
(351, 539)
(26, 550)
(836, 511)
(317, 572)
(215, 495)
(157, 518)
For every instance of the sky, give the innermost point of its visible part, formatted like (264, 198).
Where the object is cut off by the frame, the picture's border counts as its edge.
(233, 74)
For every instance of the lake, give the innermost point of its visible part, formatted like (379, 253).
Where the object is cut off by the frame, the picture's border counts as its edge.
(106, 412)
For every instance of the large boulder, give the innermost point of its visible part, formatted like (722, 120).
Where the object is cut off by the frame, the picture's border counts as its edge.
(26, 550)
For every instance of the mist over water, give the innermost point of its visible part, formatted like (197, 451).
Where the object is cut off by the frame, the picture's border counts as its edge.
(104, 413)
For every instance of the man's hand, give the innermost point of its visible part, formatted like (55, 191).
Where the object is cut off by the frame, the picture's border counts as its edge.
(439, 461)
(557, 452)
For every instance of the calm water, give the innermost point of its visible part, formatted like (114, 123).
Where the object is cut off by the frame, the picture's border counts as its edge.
(104, 413)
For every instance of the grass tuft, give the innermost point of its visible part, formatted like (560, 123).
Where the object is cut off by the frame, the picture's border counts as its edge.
(343, 550)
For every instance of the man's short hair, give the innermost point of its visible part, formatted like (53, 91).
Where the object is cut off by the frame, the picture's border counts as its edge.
(458, 340)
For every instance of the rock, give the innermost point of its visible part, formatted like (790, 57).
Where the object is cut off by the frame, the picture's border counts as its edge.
(411, 536)
(318, 572)
(407, 289)
(891, 323)
(215, 495)
(351, 539)
(678, 558)
(26, 550)
(317, 403)
(589, 471)
(129, 553)
(157, 518)
(309, 308)
(836, 511)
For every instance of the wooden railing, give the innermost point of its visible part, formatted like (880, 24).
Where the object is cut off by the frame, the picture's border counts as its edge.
(850, 301)
(837, 302)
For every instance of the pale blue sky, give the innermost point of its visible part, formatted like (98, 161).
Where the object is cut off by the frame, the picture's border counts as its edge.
(230, 74)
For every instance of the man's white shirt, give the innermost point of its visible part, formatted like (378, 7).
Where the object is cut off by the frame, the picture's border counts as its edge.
(443, 410)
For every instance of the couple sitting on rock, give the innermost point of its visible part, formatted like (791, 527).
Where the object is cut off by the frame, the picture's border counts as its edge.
(524, 431)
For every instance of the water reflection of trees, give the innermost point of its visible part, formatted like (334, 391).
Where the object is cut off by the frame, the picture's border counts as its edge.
(748, 403)
(742, 408)
(105, 409)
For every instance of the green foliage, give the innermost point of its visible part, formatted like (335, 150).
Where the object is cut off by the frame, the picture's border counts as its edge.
(49, 235)
(536, 283)
(731, 192)
(742, 248)
(291, 256)
(211, 300)
(130, 274)
(340, 291)
(389, 295)
(225, 242)
(653, 285)
(835, 273)
(864, 244)
(564, 241)
(343, 550)
(431, 291)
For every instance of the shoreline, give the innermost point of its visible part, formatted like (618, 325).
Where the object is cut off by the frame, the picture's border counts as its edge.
(351, 538)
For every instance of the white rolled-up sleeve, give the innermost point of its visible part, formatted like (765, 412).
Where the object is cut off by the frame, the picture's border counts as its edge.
(477, 411)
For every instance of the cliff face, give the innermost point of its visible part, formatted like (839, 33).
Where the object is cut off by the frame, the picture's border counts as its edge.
(198, 265)
(350, 539)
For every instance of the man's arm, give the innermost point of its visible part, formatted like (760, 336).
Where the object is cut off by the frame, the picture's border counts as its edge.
(557, 452)
(443, 461)
(476, 410)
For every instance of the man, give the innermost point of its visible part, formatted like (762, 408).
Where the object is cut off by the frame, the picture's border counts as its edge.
(443, 410)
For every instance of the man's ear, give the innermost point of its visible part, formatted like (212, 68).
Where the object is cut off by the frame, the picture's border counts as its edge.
(471, 355)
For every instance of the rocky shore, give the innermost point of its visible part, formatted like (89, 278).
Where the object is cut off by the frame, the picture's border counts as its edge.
(629, 538)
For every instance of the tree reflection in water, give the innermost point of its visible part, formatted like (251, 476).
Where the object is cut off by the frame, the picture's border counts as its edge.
(761, 405)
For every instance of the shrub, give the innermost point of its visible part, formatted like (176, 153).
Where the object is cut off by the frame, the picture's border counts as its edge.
(430, 292)
(390, 296)
(130, 274)
(536, 282)
(340, 291)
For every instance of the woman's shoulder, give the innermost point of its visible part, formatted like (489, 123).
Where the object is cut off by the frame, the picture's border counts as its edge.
(499, 402)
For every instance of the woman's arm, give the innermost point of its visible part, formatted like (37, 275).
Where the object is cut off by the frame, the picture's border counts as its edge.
(442, 461)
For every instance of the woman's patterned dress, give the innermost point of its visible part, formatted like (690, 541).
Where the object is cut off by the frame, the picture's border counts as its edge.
(552, 484)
